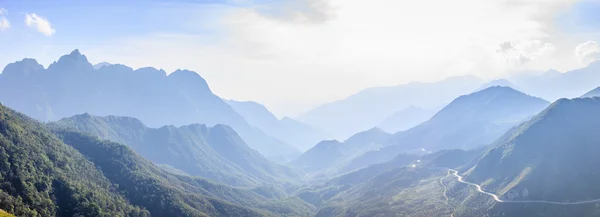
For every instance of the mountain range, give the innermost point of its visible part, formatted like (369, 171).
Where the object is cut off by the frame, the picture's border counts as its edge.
(469, 121)
(368, 108)
(405, 119)
(53, 171)
(107, 140)
(72, 86)
(215, 153)
(498, 82)
(288, 130)
(542, 167)
(332, 154)
(553, 85)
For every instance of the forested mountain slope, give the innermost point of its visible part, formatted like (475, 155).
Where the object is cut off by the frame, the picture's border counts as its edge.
(216, 153)
(59, 172)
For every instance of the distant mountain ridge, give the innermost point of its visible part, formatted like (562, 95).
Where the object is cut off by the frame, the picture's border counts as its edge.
(481, 116)
(469, 121)
(72, 86)
(553, 85)
(592, 93)
(102, 64)
(323, 155)
(332, 154)
(216, 153)
(290, 131)
(405, 119)
(367, 108)
(498, 82)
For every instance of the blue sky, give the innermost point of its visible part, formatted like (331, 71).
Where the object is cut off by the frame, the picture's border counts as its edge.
(82, 24)
(583, 17)
(272, 51)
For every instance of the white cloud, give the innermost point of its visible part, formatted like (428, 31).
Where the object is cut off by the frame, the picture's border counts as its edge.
(41, 24)
(330, 49)
(520, 53)
(4, 24)
(588, 52)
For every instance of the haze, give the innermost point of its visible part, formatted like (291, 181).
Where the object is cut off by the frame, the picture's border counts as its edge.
(300, 108)
(293, 55)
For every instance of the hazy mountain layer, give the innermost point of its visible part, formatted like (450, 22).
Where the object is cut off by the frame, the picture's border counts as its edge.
(405, 119)
(216, 153)
(592, 93)
(72, 86)
(470, 121)
(332, 155)
(290, 131)
(368, 108)
(553, 85)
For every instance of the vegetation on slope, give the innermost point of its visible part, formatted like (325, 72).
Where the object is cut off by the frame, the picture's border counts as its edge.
(58, 172)
(41, 176)
(216, 153)
(558, 147)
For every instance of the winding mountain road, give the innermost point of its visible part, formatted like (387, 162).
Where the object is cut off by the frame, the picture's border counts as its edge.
(497, 199)
(446, 193)
(445, 187)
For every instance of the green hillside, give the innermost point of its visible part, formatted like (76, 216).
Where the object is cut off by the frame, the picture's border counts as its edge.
(550, 158)
(41, 176)
(559, 147)
(59, 172)
(216, 153)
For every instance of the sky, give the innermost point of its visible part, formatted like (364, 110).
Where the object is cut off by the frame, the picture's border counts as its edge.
(293, 55)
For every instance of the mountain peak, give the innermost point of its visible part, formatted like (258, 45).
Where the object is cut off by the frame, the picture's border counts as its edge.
(328, 142)
(496, 95)
(375, 130)
(498, 90)
(373, 136)
(75, 53)
(100, 65)
(153, 72)
(321, 156)
(23, 67)
(189, 79)
(72, 63)
(487, 114)
(185, 74)
(498, 82)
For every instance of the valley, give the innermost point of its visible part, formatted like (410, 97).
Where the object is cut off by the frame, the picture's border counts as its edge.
(300, 108)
